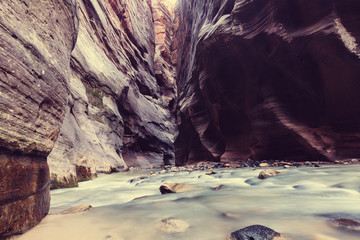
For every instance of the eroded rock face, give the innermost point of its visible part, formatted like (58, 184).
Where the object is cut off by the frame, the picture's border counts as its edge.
(36, 38)
(89, 81)
(121, 91)
(268, 80)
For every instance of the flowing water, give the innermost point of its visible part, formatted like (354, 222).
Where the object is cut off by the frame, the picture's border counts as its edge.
(299, 202)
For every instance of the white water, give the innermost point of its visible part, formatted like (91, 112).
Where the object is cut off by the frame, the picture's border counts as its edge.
(299, 202)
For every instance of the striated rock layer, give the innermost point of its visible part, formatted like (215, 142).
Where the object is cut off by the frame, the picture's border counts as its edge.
(36, 38)
(86, 85)
(268, 80)
(121, 87)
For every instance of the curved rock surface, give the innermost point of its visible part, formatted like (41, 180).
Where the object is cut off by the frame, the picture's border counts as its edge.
(268, 80)
(121, 87)
(89, 81)
(36, 39)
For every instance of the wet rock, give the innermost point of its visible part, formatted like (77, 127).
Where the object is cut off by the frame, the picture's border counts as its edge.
(255, 232)
(346, 225)
(172, 225)
(210, 172)
(287, 166)
(217, 188)
(83, 173)
(167, 188)
(267, 173)
(77, 209)
(264, 165)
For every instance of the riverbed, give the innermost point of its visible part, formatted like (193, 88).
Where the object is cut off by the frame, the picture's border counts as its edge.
(299, 202)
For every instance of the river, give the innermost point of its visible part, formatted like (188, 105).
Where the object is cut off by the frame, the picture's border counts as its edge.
(299, 203)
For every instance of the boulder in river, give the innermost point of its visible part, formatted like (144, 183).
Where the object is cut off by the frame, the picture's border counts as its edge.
(175, 188)
(256, 232)
(267, 173)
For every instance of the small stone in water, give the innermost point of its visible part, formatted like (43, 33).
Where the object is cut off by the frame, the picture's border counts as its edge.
(210, 172)
(255, 232)
(172, 225)
(268, 173)
(217, 188)
(264, 165)
(346, 224)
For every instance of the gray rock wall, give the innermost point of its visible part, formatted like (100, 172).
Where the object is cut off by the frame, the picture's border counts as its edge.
(121, 86)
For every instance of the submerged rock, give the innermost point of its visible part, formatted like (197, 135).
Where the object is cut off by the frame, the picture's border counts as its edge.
(255, 232)
(175, 188)
(172, 225)
(323, 237)
(346, 225)
(267, 173)
(77, 209)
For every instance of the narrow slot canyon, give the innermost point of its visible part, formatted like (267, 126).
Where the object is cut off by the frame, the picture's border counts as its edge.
(179, 119)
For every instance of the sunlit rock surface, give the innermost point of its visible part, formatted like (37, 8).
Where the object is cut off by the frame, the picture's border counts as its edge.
(122, 90)
(82, 80)
(36, 38)
(268, 80)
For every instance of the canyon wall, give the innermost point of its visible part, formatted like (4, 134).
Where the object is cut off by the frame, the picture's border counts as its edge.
(88, 86)
(121, 87)
(267, 79)
(36, 38)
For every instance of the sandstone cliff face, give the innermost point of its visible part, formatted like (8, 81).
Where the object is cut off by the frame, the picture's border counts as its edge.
(268, 80)
(121, 87)
(85, 81)
(36, 38)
